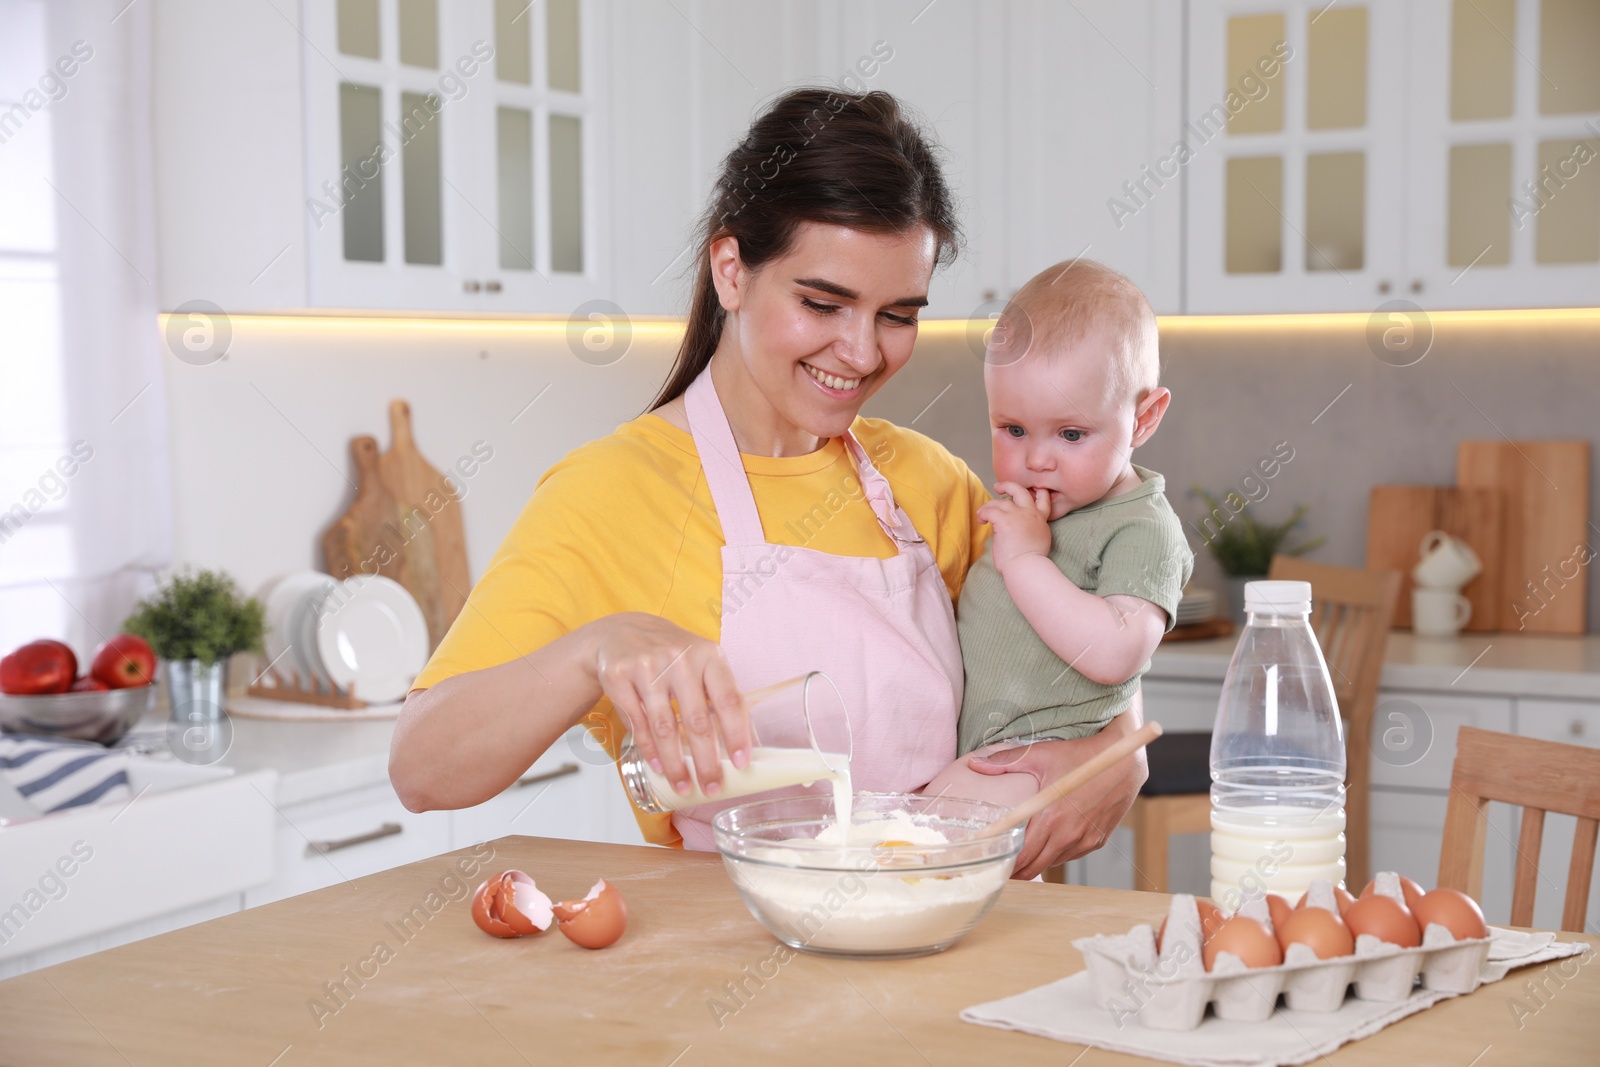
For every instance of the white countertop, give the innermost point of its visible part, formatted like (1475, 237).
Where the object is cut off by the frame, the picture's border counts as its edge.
(313, 759)
(1522, 665)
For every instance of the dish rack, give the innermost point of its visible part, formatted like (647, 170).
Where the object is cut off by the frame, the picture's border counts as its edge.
(1170, 990)
(296, 690)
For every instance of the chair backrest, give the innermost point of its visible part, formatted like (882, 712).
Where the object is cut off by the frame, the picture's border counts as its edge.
(1539, 775)
(1351, 613)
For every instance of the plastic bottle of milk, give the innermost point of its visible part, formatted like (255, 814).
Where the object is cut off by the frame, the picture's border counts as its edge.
(1277, 756)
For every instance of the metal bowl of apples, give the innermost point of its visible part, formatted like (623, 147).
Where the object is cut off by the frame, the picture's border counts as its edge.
(39, 695)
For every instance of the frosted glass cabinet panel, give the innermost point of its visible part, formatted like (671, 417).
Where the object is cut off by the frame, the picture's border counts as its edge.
(1443, 152)
(452, 153)
(1295, 204)
(542, 233)
(1504, 169)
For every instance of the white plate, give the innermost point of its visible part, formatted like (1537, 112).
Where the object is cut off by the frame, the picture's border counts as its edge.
(303, 625)
(284, 648)
(371, 634)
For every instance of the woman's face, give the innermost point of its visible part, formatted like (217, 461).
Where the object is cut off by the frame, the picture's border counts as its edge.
(820, 329)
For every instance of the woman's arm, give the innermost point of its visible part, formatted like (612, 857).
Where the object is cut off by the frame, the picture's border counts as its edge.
(1083, 821)
(468, 737)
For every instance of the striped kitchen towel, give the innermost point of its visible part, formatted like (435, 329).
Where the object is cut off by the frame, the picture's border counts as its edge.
(52, 774)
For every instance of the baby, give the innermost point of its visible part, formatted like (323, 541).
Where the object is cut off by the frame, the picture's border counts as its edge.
(1087, 561)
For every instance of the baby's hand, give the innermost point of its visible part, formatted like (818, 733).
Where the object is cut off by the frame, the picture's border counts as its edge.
(1021, 523)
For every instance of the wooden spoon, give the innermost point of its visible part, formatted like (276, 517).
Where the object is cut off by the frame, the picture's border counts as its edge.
(1073, 779)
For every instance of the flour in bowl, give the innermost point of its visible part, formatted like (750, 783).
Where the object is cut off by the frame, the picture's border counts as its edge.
(877, 903)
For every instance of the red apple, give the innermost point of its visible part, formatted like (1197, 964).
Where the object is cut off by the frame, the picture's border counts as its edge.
(124, 662)
(88, 684)
(66, 650)
(38, 667)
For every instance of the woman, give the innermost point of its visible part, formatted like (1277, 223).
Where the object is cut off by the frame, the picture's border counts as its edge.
(641, 573)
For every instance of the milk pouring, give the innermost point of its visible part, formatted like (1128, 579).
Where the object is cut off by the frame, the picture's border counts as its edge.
(1277, 756)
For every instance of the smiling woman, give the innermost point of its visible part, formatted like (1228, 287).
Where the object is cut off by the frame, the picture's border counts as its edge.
(657, 573)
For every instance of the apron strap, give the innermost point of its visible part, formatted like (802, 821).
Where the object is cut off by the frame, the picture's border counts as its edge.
(730, 486)
(719, 459)
(891, 516)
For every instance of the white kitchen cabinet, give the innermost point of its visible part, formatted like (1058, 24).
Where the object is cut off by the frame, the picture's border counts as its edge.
(402, 155)
(1091, 108)
(449, 151)
(1414, 734)
(1571, 722)
(1181, 707)
(566, 794)
(1503, 171)
(323, 842)
(1297, 136)
(1420, 151)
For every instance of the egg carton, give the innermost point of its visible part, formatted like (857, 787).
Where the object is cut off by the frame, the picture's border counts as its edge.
(1170, 990)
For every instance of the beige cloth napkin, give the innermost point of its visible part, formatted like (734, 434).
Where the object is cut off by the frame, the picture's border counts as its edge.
(1066, 1011)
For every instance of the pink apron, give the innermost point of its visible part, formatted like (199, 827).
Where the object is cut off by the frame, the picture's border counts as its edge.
(883, 630)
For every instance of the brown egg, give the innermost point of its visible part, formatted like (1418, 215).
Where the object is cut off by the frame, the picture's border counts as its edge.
(597, 920)
(1279, 910)
(1340, 895)
(1319, 930)
(1210, 919)
(1245, 938)
(1383, 918)
(1409, 889)
(1453, 910)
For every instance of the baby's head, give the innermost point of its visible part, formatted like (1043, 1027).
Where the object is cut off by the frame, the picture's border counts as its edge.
(1072, 372)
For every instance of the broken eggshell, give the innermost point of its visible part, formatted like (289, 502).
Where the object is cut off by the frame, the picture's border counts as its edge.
(511, 905)
(523, 906)
(595, 921)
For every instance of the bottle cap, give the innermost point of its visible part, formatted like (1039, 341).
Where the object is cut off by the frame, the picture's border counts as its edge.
(1278, 598)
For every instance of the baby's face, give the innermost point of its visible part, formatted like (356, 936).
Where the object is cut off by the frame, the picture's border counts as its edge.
(1055, 426)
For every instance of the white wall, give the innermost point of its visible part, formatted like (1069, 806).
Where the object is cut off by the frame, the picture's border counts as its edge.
(260, 439)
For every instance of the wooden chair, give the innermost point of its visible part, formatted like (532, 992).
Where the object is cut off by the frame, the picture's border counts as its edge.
(1352, 611)
(1539, 776)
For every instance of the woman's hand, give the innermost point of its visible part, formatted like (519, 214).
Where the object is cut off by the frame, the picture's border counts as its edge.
(1021, 523)
(1081, 822)
(644, 664)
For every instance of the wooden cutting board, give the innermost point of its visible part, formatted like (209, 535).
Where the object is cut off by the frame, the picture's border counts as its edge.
(429, 517)
(366, 539)
(1545, 581)
(1399, 516)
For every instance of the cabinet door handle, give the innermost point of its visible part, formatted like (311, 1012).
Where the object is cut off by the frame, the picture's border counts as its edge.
(1416, 285)
(322, 848)
(470, 285)
(492, 285)
(549, 776)
(1383, 286)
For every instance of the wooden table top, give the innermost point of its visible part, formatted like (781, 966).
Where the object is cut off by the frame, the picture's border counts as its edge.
(252, 988)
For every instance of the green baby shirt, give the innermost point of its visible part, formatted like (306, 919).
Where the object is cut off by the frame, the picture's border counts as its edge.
(1015, 685)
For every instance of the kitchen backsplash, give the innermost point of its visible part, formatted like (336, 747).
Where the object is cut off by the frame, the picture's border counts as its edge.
(260, 439)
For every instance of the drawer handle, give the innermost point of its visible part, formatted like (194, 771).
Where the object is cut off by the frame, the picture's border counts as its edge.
(549, 776)
(388, 829)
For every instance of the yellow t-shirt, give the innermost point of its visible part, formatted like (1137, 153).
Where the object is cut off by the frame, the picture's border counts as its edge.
(626, 523)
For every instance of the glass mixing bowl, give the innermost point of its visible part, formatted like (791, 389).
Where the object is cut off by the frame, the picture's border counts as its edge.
(889, 898)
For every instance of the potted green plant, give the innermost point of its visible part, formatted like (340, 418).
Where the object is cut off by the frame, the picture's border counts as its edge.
(1243, 546)
(194, 622)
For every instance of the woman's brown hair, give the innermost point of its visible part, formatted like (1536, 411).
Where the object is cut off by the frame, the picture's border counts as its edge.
(815, 155)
